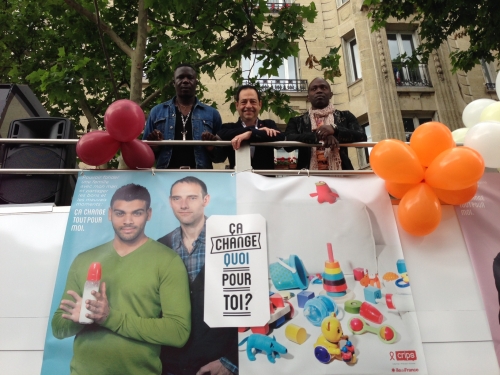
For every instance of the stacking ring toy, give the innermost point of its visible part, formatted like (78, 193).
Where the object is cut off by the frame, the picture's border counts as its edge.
(385, 333)
(352, 306)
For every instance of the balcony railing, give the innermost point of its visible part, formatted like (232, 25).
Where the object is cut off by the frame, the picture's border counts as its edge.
(278, 5)
(411, 75)
(490, 86)
(291, 85)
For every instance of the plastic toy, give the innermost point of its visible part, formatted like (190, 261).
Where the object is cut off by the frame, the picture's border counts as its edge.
(333, 278)
(295, 333)
(371, 313)
(277, 300)
(370, 280)
(327, 347)
(358, 273)
(303, 297)
(347, 352)
(318, 308)
(399, 302)
(385, 333)
(372, 293)
(289, 274)
(390, 276)
(352, 306)
(401, 266)
(262, 343)
(324, 193)
(279, 315)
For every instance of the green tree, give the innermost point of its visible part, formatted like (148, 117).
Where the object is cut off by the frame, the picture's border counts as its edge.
(440, 19)
(80, 55)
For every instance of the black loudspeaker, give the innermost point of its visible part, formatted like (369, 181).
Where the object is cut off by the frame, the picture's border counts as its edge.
(39, 188)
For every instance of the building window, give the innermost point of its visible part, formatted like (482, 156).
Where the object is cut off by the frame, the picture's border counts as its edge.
(411, 123)
(364, 153)
(406, 71)
(276, 5)
(341, 2)
(489, 75)
(353, 65)
(286, 80)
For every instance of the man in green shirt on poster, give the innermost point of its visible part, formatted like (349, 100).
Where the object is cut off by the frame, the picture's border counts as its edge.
(143, 301)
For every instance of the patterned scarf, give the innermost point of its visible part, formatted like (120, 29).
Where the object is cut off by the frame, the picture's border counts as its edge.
(318, 118)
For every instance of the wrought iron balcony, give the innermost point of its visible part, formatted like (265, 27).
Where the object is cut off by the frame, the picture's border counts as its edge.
(490, 86)
(412, 75)
(277, 6)
(291, 85)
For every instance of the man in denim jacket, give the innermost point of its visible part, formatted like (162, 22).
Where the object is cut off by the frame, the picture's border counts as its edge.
(184, 118)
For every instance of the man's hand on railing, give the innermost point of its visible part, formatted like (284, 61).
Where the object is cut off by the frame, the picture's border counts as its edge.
(155, 135)
(207, 136)
(270, 132)
(330, 142)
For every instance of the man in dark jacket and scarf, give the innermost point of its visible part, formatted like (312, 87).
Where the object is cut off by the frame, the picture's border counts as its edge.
(323, 124)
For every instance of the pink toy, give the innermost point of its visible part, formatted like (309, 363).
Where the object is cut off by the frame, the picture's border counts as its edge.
(371, 313)
(324, 193)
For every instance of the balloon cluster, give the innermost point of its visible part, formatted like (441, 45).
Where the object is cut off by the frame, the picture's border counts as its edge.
(425, 173)
(124, 121)
(482, 132)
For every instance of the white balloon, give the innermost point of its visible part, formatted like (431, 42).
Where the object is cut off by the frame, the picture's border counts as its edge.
(485, 139)
(459, 134)
(491, 113)
(472, 111)
(497, 85)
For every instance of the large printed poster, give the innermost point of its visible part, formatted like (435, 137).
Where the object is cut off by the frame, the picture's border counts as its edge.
(481, 229)
(333, 247)
(88, 226)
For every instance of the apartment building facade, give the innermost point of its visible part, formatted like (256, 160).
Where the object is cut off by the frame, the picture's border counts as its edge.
(388, 97)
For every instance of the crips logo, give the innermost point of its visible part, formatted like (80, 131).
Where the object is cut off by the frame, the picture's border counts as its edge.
(403, 355)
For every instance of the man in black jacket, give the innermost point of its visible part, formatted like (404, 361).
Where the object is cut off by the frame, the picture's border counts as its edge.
(323, 123)
(211, 351)
(250, 128)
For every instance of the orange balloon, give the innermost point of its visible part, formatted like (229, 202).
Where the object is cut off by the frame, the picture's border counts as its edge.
(429, 140)
(456, 197)
(395, 161)
(398, 190)
(419, 211)
(455, 169)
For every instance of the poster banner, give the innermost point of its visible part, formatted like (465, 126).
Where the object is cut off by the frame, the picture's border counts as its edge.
(333, 248)
(89, 226)
(236, 271)
(481, 230)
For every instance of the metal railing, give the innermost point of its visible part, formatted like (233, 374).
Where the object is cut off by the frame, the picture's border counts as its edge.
(275, 7)
(411, 75)
(243, 159)
(279, 84)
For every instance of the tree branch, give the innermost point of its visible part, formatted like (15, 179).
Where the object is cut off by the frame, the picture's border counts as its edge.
(88, 113)
(247, 38)
(104, 27)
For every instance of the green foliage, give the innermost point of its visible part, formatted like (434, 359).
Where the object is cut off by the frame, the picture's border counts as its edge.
(442, 19)
(55, 47)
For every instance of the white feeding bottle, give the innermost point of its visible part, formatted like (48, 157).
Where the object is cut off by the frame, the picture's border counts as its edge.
(92, 283)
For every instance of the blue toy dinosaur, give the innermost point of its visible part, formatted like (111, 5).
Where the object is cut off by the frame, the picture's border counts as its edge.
(262, 343)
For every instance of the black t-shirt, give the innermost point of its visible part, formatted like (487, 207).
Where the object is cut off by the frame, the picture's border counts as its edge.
(182, 156)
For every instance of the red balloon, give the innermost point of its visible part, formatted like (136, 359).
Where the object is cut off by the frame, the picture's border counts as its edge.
(137, 155)
(395, 161)
(97, 147)
(419, 211)
(124, 120)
